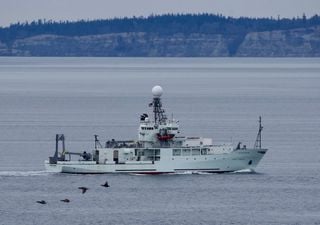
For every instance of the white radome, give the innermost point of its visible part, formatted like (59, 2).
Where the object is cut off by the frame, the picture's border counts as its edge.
(157, 91)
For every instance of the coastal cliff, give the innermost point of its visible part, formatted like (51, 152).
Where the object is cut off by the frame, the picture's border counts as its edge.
(290, 43)
(166, 36)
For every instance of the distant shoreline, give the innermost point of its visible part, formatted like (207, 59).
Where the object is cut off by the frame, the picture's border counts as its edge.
(202, 35)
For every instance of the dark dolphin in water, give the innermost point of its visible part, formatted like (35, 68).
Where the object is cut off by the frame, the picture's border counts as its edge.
(65, 200)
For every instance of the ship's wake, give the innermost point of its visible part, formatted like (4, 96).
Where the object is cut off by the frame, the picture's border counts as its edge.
(191, 173)
(245, 171)
(22, 173)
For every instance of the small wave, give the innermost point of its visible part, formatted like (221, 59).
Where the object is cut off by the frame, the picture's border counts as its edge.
(201, 173)
(138, 174)
(245, 171)
(192, 173)
(22, 173)
(183, 173)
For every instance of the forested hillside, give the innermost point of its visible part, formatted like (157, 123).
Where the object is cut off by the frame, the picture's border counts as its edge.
(165, 35)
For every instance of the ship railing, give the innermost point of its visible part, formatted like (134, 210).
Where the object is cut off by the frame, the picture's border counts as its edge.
(162, 145)
(121, 144)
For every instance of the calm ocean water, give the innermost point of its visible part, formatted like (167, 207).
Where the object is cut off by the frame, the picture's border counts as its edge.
(218, 98)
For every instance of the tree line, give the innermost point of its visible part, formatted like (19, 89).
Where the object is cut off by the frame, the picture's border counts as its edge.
(166, 25)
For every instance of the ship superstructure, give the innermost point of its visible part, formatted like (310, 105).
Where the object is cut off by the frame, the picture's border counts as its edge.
(159, 149)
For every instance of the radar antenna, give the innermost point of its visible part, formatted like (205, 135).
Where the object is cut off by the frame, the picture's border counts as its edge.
(257, 144)
(97, 143)
(159, 113)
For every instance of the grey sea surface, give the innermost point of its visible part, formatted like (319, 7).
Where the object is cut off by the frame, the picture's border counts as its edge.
(220, 98)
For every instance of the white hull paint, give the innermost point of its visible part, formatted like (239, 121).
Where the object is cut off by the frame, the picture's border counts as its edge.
(216, 163)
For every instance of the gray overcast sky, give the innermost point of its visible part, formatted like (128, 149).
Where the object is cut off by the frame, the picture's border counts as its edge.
(12, 11)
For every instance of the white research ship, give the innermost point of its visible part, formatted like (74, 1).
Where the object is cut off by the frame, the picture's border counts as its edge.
(158, 150)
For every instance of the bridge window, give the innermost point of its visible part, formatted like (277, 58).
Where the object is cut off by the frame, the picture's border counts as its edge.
(176, 152)
(196, 151)
(204, 151)
(147, 128)
(157, 152)
(139, 152)
(185, 152)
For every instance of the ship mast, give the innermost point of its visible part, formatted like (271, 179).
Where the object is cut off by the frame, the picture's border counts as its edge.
(257, 144)
(159, 113)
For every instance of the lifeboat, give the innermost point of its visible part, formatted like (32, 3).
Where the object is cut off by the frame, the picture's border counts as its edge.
(165, 137)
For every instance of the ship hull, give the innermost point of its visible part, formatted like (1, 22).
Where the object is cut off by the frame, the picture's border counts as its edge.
(244, 159)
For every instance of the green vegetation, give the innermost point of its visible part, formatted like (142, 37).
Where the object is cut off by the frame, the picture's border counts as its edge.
(155, 27)
(161, 25)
